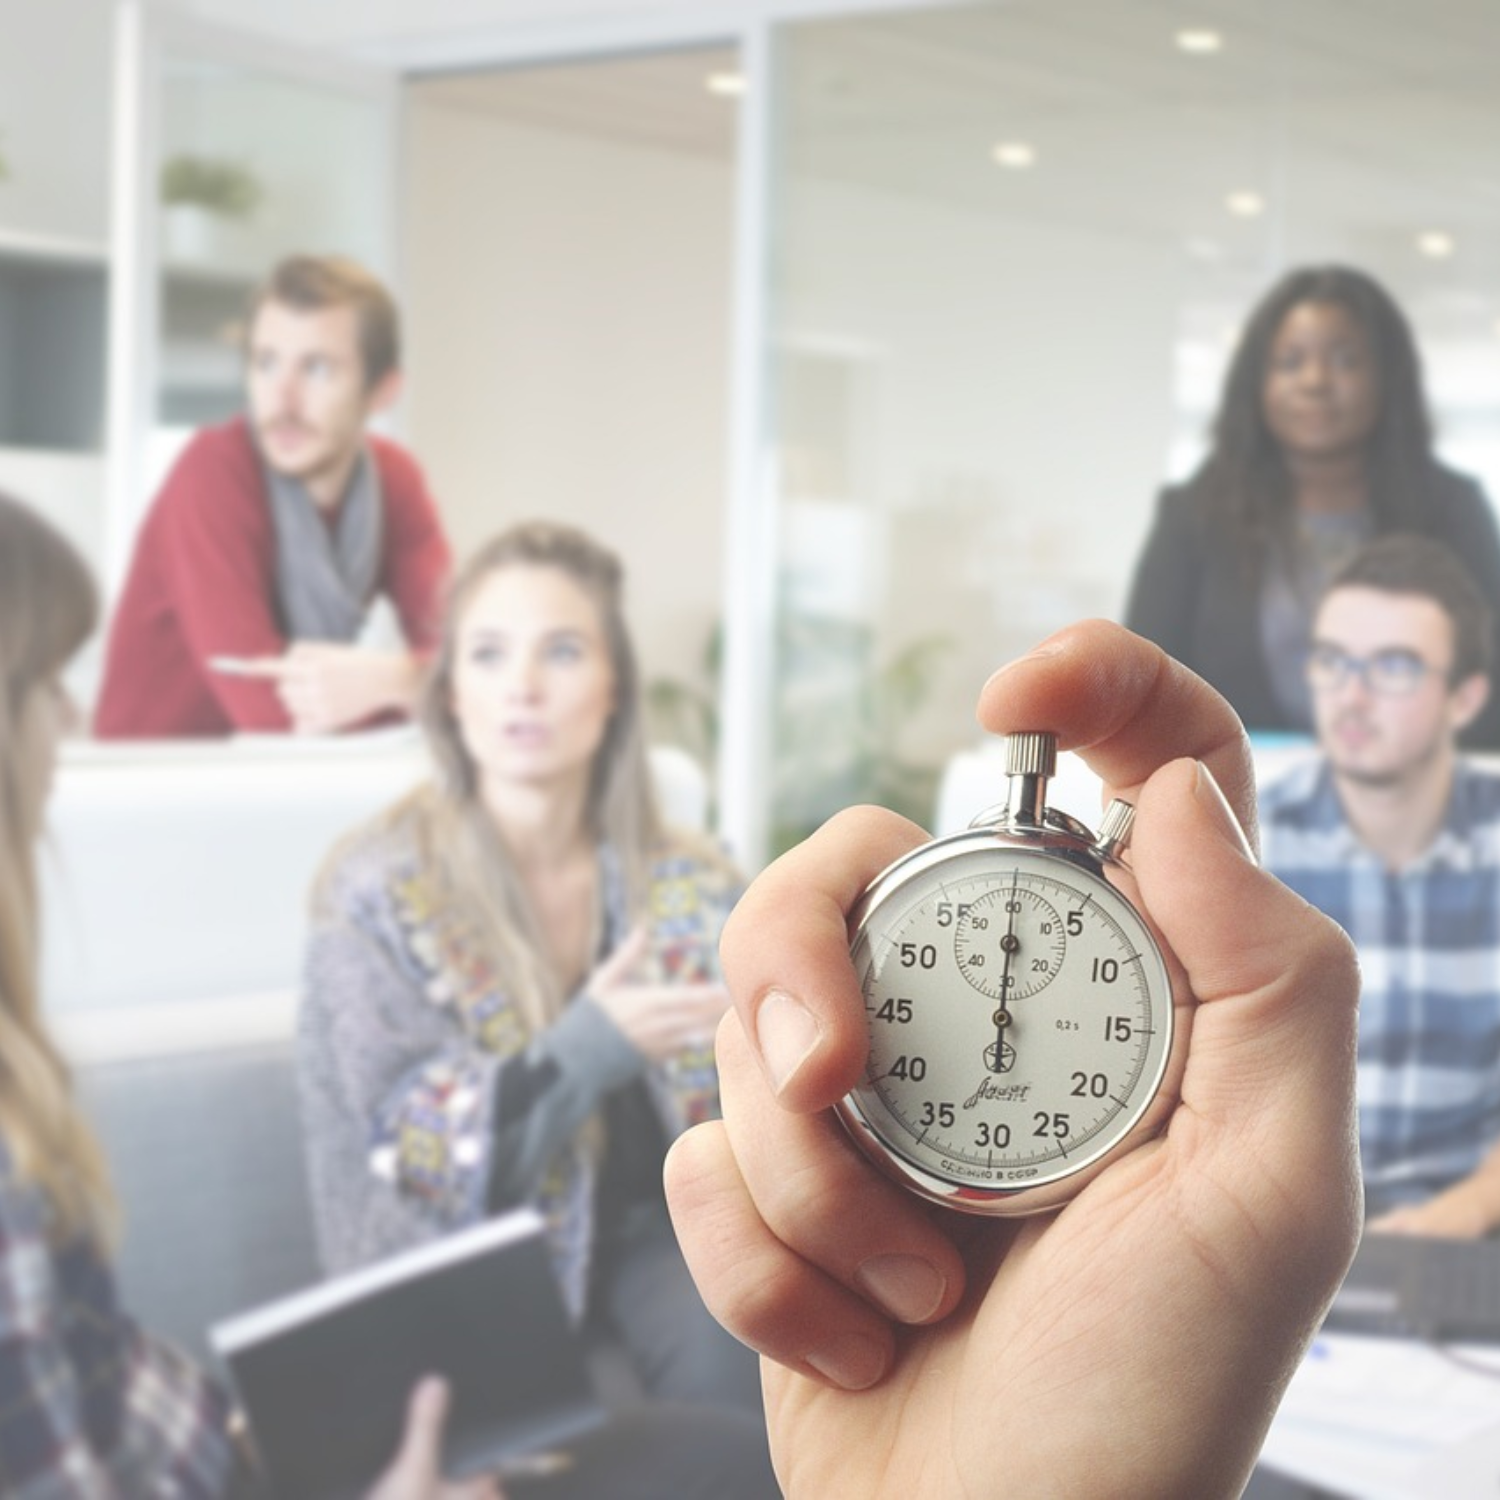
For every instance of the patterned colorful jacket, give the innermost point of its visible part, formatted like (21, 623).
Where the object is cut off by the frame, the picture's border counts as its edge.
(405, 1033)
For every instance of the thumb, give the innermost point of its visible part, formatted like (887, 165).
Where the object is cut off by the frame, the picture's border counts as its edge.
(420, 1459)
(622, 960)
(1277, 982)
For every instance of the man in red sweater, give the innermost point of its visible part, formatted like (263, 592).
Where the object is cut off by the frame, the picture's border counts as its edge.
(256, 565)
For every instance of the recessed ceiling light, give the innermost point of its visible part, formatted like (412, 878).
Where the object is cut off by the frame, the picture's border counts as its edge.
(729, 85)
(1435, 244)
(1244, 205)
(1199, 42)
(1014, 154)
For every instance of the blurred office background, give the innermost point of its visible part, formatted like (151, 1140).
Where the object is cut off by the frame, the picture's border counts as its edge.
(866, 333)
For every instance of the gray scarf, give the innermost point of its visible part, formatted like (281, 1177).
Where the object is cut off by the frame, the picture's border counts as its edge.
(324, 578)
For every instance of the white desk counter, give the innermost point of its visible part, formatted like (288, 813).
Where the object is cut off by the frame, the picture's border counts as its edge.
(1391, 1419)
(180, 872)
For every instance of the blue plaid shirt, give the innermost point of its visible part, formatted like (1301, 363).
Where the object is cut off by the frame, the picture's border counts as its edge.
(1428, 938)
(90, 1408)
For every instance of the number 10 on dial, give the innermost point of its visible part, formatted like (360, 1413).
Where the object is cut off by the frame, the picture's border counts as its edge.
(1019, 1009)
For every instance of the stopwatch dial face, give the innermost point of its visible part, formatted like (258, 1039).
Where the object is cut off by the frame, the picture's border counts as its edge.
(1000, 1064)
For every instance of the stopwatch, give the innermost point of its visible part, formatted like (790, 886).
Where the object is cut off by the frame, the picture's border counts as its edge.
(1019, 1008)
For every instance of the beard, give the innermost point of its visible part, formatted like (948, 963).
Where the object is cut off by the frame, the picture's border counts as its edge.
(1394, 769)
(1372, 777)
(314, 459)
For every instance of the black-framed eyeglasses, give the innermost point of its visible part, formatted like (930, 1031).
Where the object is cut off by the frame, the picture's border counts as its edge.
(1391, 672)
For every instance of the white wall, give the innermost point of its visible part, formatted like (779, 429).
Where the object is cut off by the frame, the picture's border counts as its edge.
(567, 301)
(56, 75)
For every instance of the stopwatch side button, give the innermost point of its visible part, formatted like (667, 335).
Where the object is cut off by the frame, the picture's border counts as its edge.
(1114, 829)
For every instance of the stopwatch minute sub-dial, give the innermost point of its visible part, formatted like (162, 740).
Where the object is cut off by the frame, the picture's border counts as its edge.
(1009, 942)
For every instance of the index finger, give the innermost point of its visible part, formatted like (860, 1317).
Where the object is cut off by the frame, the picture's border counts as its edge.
(272, 667)
(1127, 708)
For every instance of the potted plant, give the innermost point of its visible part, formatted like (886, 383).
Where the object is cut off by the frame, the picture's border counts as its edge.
(839, 711)
(198, 190)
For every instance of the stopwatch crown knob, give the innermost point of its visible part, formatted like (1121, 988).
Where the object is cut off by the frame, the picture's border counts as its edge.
(1030, 761)
(1031, 753)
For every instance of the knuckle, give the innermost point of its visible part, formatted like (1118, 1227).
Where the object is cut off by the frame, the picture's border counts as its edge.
(754, 1298)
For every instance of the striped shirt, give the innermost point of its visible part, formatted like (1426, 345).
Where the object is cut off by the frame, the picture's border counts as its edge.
(1428, 938)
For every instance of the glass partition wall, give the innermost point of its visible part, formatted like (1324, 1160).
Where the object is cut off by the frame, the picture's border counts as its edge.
(254, 165)
(229, 152)
(1013, 246)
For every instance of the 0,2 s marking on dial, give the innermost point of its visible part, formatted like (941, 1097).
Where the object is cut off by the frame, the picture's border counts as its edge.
(1016, 1016)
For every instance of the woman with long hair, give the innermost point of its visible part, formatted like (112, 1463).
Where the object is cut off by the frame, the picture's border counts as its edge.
(89, 1403)
(512, 987)
(1322, 440)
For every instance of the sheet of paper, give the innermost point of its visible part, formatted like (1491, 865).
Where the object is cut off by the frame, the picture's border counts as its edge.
(1382, 1419)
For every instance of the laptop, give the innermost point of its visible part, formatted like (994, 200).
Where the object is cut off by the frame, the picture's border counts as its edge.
(1408, 1286)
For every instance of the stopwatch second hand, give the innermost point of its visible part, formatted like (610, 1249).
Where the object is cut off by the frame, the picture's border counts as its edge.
(1009, 945)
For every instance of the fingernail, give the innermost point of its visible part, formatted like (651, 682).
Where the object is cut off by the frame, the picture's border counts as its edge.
(786, 1033)
(1212, 800)
(906, 1286)
(1037, 653)
(854, 1361)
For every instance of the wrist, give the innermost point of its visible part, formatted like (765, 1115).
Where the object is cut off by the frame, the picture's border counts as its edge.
(1482, 1195)
(400, 681)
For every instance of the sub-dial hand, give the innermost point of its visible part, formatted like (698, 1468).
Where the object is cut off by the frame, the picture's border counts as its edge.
(1001, 1058)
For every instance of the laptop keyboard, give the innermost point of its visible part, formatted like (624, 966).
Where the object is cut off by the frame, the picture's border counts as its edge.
(1409, 1287)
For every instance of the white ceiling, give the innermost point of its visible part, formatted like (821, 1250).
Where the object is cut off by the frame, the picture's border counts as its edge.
(417, 33)
(363, 26)
(1373, 115)
(1378, 117)
(1361, 124)
(656, 99)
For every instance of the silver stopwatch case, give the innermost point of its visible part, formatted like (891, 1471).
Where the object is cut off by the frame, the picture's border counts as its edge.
(1019, 1009)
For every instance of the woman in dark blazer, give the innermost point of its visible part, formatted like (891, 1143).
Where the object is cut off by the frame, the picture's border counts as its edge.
(1322, 440)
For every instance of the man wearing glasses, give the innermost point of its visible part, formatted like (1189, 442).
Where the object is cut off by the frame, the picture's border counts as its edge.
(1396, 836)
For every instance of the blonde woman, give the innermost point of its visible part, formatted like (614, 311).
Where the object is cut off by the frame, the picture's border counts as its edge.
(512, 983)
(89, 1403)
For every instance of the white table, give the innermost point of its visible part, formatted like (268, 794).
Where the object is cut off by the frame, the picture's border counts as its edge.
(1390, 1419)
